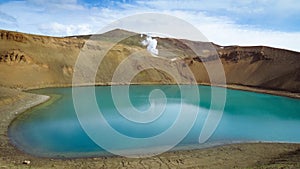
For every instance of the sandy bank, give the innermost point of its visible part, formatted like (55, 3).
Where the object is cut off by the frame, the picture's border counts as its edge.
(255, 155)
(229, 86)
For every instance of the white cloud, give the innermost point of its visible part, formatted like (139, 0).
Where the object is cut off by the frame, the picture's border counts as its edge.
(52, 18)
(63, 30)
(7, 20)
(236, 35)
(244, 6)
(223, 31)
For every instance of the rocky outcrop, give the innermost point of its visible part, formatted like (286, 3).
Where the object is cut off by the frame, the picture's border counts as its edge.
(7, 35)
(67, 70)
(262, 67)
(236, 55)
(15, 56)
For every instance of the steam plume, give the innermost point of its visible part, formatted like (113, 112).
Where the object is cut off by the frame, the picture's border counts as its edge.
(151, 44)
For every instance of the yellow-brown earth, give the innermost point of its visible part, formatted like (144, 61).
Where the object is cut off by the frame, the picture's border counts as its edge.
(33, 61)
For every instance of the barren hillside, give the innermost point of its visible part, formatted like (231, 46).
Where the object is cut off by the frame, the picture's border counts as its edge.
(33, 61)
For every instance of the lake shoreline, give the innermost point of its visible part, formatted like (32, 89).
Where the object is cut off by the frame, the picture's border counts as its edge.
(226, 156)
(228, 86)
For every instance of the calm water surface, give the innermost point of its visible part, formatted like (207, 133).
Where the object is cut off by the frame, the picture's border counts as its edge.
(53, 130)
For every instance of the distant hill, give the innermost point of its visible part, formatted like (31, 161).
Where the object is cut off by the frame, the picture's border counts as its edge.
(33, 61)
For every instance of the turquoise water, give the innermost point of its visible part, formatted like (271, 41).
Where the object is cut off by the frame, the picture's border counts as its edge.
(54, 130)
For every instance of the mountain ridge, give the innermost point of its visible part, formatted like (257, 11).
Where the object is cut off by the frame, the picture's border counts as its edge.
(49, 61)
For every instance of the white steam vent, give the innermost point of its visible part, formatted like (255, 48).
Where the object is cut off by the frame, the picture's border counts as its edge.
(151, 44)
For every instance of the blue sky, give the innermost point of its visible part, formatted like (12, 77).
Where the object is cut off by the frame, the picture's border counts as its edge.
(226, 22)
